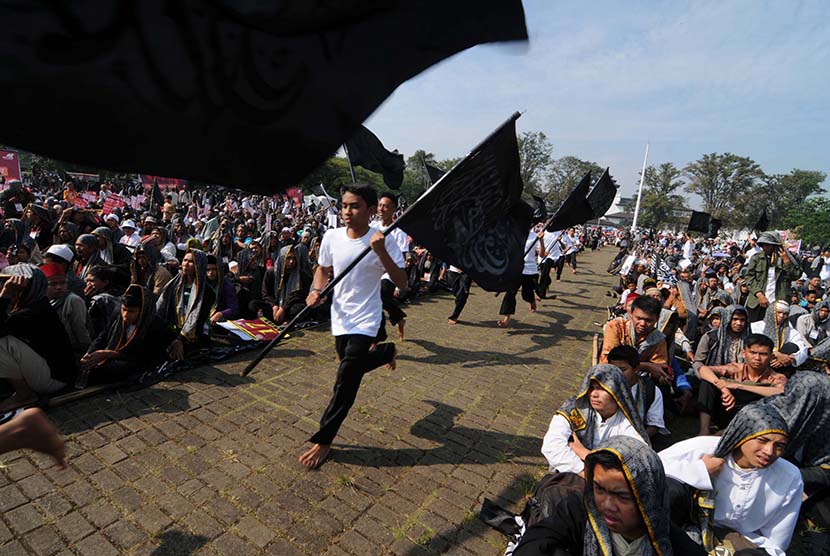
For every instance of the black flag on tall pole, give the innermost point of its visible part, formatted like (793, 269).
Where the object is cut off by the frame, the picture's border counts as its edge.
(474, 217)
(576, 209)
(247, 94)
(714, 227)
(434, 173)
(699, 222)
(763, 222)
(365, 149)
(158, 198)
(602, 195)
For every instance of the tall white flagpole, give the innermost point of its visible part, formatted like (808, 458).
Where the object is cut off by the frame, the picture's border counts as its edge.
(640, 194)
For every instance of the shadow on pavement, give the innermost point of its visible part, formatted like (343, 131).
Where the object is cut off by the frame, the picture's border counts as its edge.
(446, 355)
(178, 543)
(458, 444)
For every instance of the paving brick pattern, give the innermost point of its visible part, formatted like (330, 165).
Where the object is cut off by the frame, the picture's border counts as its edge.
(205, 463)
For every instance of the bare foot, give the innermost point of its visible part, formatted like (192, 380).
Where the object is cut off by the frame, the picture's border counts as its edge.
(504, 321)
(39, 434)
(14, 402)
(452, 322)
(314, 456)
(401, 324)
(392, 365)
(533, 307)
(372, 346)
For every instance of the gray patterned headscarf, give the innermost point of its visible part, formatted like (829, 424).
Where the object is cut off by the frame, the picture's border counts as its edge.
(647, 479)
(725, 337)
(580, 415)
(805, 406)
(752, 421)
(775, 332)
(37, 282)
(171, 305)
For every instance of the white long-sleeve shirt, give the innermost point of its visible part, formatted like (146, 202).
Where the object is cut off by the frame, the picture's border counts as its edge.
(760, 504)
(555, 446)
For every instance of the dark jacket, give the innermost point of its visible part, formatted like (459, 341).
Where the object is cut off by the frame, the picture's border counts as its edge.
(756, 277)
(39, 326)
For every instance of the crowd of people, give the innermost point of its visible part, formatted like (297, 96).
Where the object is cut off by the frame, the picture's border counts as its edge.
(735, 335)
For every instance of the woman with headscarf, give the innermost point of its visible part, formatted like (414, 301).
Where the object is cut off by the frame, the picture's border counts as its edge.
(138, 341)
(86, 255)
(186, 302)
(111, 252)
(146, 269)
(602, 409)
(751, 495)
(38, 225)
(623, 510)
(35, 353)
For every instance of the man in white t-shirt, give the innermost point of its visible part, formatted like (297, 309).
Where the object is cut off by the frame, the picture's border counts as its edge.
(387, 205)
(356, 306)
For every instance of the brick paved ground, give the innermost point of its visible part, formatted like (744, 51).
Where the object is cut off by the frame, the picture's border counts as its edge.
(206, 463)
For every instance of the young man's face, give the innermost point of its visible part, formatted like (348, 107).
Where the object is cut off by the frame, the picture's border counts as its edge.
(601, 401)
(212, 272)
(386, 209)
(738, 323)
(129, 315)
(189, 266)
(781, 316)
(713, 283)
(57, 287)
(627, 370)
(643, 322)
(355, 212)
(757, 356)
(616, 503)
(762, 451)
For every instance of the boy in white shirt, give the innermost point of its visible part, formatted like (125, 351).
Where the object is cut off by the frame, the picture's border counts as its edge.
(356, 306)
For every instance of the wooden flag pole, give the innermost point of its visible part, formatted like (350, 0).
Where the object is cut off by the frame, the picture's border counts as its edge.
(349, 160)
(330, 286)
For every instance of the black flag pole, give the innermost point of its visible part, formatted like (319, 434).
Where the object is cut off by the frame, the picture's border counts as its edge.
(330, 286)
(349, 160)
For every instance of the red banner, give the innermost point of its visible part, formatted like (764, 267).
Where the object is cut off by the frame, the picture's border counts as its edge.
(9, 165)
(114, 201)
(164, 183)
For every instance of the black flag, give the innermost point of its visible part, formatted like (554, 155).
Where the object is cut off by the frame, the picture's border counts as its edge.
(245, 94)
(435, 174)
(475, 218)
(714, 227)
(541, 212)
(576, 209)
(602, 195)
(366, 150)
(699, 222)
(158, 198)
(763, 222)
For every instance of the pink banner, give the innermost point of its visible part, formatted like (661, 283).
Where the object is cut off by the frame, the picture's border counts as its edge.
(9, 165)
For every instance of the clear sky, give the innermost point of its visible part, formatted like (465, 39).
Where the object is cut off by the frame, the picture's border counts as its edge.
(601, 78)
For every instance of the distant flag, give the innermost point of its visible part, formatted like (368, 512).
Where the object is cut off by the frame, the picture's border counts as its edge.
(158, 198)
(365, 149)
(602, 195)
(699, 222)
(253, 95)
(541, 211)
(576, 209)
(475, 218)
(434, 173)
(714, 227)
(763, 222)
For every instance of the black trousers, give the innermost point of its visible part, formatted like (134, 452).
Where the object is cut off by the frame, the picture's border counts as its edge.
(709, 401)
(756, 314)
(528, 287)
(571, 260)
(355, 361)
(390, 302)
(560, 265)
(544, 277)
(460, 285)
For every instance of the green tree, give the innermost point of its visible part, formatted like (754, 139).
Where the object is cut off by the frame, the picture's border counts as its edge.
(536, 157)
(334, 172)
(810, 220)
(564, 174)
(722, 180)
(659, 195)
(779, 194)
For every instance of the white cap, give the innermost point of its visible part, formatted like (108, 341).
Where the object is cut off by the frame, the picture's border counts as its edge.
(112, 216)
(61, 251)
(129, 224)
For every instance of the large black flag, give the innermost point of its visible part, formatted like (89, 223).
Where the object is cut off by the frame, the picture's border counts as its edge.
(474, 218)
(602, 195)
(365, 149)
(158, 198)
(240, 93)
(699, 222)
(714, 227)
(576, 209)
(763, 222)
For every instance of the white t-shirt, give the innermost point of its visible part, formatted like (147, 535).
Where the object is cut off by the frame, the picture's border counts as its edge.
(400, 237)
(356, 306)
(769, 290)
(532, 244)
